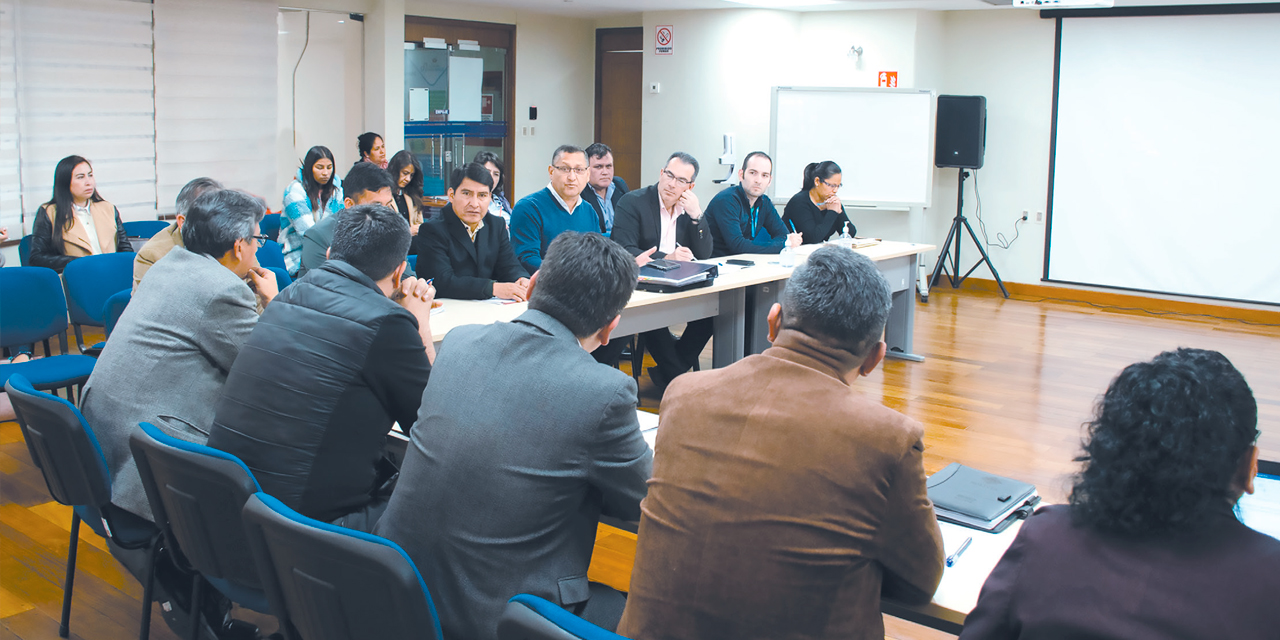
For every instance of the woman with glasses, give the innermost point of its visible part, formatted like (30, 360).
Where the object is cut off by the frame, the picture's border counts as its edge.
(816, 211)
(498, 205)
(76, 221)
(314, 194)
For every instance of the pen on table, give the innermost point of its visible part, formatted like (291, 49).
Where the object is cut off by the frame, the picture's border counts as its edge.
(951, 559)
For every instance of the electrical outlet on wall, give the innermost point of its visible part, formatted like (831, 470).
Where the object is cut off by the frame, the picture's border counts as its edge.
(1039, 217)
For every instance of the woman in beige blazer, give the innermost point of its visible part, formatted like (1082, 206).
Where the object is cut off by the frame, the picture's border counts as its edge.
(76, 222)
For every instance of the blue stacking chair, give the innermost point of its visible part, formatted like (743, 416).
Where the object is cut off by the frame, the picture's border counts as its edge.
(114, 308)
(33, 309)
(67, 453)
(528, 617)
(325, 582)
(197, 494)
(282, 277)
(413, 262)
(271, 255)
(90, 281)
(270, 226)
(144, 228)
(24, 251)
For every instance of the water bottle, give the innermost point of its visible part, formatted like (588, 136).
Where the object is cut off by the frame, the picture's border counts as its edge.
(788, 256)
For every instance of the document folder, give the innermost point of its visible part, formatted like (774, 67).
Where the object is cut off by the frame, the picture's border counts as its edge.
(978, 499)
(687, 276)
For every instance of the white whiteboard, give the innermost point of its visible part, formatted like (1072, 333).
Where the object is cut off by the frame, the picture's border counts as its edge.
(881, 138)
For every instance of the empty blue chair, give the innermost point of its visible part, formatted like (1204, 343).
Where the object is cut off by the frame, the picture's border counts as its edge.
(67, 453)
(282, 277)
(38, 311)
(24, 251)
(89, 282)
(413, 262)
(325, 582)
(271, 255)
(528, 617)
(270, 226)
(196, 494)
(144, 228)
(114, 308)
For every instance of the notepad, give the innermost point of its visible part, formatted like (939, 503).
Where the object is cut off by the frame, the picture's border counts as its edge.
(975, 498)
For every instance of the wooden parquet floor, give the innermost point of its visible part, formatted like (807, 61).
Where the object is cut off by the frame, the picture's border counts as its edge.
(1006, 386)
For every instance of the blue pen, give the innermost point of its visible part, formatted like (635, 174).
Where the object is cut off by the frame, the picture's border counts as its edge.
(951, 559)
(793, 226)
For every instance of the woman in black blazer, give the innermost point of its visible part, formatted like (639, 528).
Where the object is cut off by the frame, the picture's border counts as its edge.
(816, 211)
(1149, 546)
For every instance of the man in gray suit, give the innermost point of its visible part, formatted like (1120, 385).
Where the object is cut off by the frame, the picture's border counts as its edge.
(170, 352)
(522, 442)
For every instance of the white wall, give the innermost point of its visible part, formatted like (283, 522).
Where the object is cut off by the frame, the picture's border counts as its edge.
(330, 105)
(1006, 56)
(725, 63)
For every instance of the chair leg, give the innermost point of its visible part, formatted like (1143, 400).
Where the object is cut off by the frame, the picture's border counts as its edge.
(64, 629)
(197, 596)
(147, 589)
(637, 357)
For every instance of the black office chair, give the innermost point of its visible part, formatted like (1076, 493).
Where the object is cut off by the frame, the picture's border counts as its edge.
(65, 449)
(528, 617)
(330, 583)
(196, 494)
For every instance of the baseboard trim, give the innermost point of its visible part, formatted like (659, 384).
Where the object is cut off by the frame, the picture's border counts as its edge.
(1119, 301)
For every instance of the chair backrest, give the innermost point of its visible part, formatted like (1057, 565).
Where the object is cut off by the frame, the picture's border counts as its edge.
(332, 583)
(42, 311)
(114, 307)
(144, 228)
(282, 277)
(24, 251)
(271, 255)
(196, 494)
(413, 262)
(91, 280)
(62, 445)
(528, 617)
(270, 226)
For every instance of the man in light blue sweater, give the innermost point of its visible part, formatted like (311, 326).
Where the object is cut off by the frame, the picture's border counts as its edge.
(539, 217)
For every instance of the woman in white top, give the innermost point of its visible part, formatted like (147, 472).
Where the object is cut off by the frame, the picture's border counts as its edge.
(76, 222)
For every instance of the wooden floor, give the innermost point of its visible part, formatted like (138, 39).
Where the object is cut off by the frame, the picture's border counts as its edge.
(1005, 387)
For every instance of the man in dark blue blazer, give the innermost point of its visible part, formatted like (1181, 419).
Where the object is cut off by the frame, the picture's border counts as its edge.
(466, 249)
(603, 188)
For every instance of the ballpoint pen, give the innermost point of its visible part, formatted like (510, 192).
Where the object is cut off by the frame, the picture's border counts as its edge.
(951, 559)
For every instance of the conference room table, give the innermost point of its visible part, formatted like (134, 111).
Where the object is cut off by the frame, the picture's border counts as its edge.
(739, 300)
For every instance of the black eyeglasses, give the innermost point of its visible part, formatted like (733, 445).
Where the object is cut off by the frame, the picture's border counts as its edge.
(262, 240)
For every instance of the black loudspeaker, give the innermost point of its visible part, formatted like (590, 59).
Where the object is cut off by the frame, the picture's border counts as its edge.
(961, 133)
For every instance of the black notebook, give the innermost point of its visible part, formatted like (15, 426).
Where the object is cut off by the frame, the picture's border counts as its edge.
(976, 498)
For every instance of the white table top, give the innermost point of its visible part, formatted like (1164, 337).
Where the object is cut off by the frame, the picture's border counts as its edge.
(456, 313)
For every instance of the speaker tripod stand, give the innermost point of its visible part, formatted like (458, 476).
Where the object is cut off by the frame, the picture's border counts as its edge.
(954, 236)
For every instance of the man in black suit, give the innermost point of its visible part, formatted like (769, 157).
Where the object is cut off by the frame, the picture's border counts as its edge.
(605, 189)
(466, 249)
(665, 220)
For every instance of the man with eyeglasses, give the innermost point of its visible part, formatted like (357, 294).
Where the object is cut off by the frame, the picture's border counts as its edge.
(743, 219)
(170, 353)
(539, 217)
(605, 189)
(665, 220)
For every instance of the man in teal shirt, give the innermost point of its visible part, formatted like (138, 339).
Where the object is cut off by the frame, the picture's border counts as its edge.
(539, 217)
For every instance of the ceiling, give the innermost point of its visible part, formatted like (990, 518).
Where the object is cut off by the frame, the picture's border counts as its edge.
(600, 8)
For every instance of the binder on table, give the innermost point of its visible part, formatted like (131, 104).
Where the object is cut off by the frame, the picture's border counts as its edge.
(973, 498)
(688, 275)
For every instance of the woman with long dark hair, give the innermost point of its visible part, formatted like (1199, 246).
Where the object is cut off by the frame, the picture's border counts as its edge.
(406, 195)
(372, 148)
(498, 204)
(1149, 545)
(314, 194)
(816, 211)
(76, 221)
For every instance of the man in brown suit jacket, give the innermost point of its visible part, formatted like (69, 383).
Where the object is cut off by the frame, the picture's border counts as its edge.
(783, 502)
(163, 242)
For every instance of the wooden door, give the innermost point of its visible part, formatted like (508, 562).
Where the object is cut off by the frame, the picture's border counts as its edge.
(619, 86)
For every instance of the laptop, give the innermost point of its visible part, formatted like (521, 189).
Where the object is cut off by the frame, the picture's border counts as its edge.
(1261, 510)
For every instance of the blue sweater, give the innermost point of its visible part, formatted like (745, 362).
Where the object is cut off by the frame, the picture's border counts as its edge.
(538, 218)
(737, 227)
